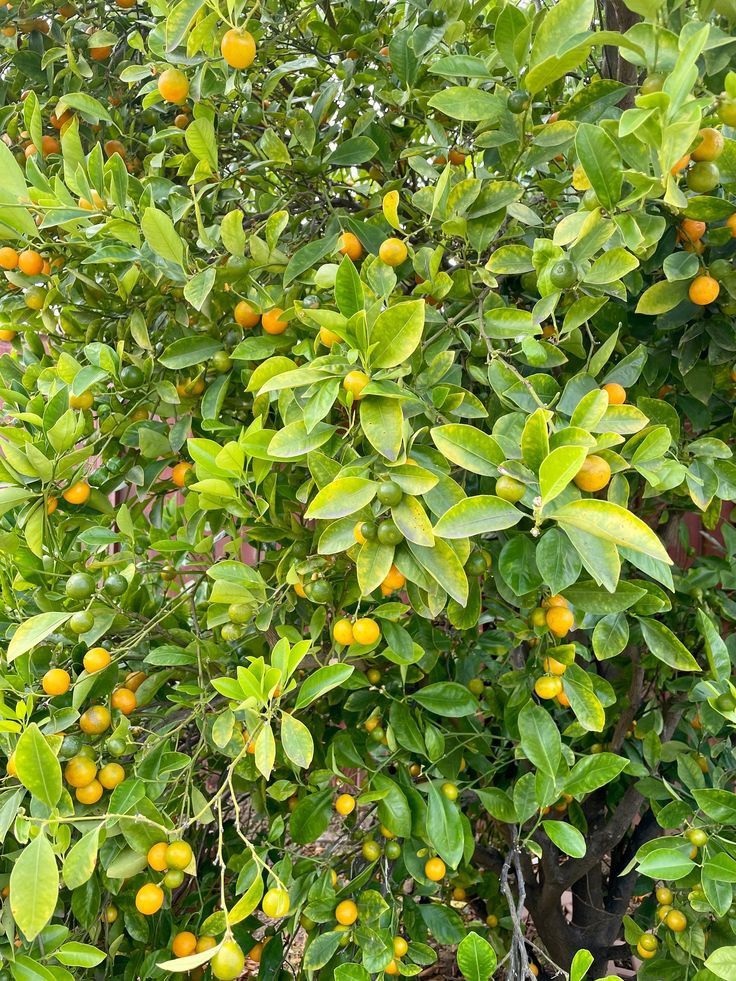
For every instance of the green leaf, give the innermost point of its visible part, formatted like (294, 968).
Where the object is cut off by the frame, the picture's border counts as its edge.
(715, 648)
(444, 827)
(610, 636)
(373, 564)
(356, 150)
(393, 808)
(179, 21)
(443, 565)
(446, 698)
(34, 887)
(465, 103)
(476, 958)
(465, 65)
(469, 448)
(86, 104)
(477, 516)
(614, 524)
(662, 297)
(590, 598)
(162, 237)
(341, 497)
(567, 838)
(592, 772)
(311, 817)
(558, 469)
(349, 294)
(412, 521)
(38, 768)
(75, 954)
(722, 963)
(557, 560)
(231, 230)
(581, 964)
(584, 702)
(664, 645)
(188, 351)
(535, 439)
(81, 860)
(396, 334)
(32, 632)
(667, 863)
(540, 739)
(612, 265)
(247, 902)
(199, 287)
(296, 740)
(307, 256)
(321, 681)
(382, 422)
(202, 140)
(601, 161)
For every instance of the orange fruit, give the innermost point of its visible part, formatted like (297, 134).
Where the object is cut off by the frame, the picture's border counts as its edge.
(178, 855)
(184, 944)
(435, 869)
(124, 700)
(96, 659)
(456, 157)
(8, 258)
(83, 401)
(343, 632)
(90, 793)
(730, 223)
(560, 621)
(149, 899)
(101, 53)
(95, 720)
(350, 246)
(366, 631)
(391, 967)
(245, 315)
(676, 921)
(355, 382)
(56, 681)
(345, 804)
(393, 252)
(179, 473)
(157, 856)
(51, 505)
(556, 600)
(703, 290)
(238, 48)
(710, 146)
(115, 146)
(680, 165)
(271, 322)
(548, 686)
(30, 262)
(551, 666)
(190, 388)
(80, 771)
(78, 493)
(690, 230)
(206, 943)
(134, 680)
(299, 589)
(328, 337)
(346, 912)
(181, 120)
(400, 946)
(616, 393)
(8, 335)
(111, 775)
(394, 579)
(358, 533)
(593, 475)
(173, 85)
(563, 700)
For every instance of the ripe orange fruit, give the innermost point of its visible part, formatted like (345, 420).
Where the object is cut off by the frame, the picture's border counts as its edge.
(563, 700)
(548, 686)
(8, 335)
(328, 337)
(435, 869)
(393, 252)
(355, 382)
(126, 4)
(190, 388)
(560, 621)
(149, 899)
(173, 85)
(51, 505)
(391, 967)
(690, 230)
(245, 315)
(238, 48)
(56, 681)
(78, 493)
(124, 700)
(115, 146)
(457, 157)
(101, 53)
(593, 475)
(343, 632)
(299, 589)
(95, 720)
(8, 258)
(730, 223)
(346, 912)
(680, 165)
(710, 146)
(704, 290)
(184, 944)
(394, 579)
(350, 246)
(134, 680)
(551, 666)
(30, 262)
(616, 393)
(179, 473)
(157, 856)
(206, 943)
(271, 322)
(400, 946)
(96, 659)
(345, 804)
(49, 145)
(80, 771)
(90, 793)
(111, 775)
(676, 921)
(366, 631)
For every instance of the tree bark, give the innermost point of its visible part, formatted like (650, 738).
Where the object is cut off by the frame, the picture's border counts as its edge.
(619, 18)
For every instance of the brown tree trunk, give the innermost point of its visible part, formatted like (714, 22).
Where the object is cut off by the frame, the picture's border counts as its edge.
(619, 18)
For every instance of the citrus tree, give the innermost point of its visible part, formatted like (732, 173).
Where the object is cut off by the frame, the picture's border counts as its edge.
(364, 366)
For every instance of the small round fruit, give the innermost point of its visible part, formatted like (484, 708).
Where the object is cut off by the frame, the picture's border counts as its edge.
(343, 632)
(350, 246)
(276, 903)
(149, 899)
(96, 659)
(400, 946)
(389, 534)
(80, 771)
(389, 493)
(354, 382)
(434, 869)
(272, 323)
(345, 804)
(492, 921)
(373, 675)
(157, 856)
(648, 942)
(548, 686)
(111, 913)
(676, 921)
(370, 850)
(131, 376)
(173, 86)
(90, 793)
(183, 944)
(394, 579)
(616, 393)
(205, 942)
(551, 666)
(509, 489)
(111, 775)
(703, 177)
(56, 682)
(652, 83)
(665, 896)
(477, 564)
(560, 621)
(124, 700)
(179, 473)
(725, 703)
(703, 290)
(366, 631)
(245, 315)
(450, 791)
(538, 617)
(476, 686)
(346, 912)
(83, 401)
(115, 585)
(697, 837)
(238, 48)
(79, 586)
(710, 146)
(30, 262)
(95, 720)
(173, 878)
(593, 475)
(228, 962)
(563, 274)
(178, 855)
(392, 850)
(393, 252)
(78, 493)
(328, 337)
(518, 101)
